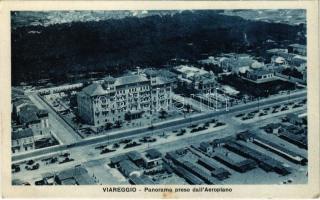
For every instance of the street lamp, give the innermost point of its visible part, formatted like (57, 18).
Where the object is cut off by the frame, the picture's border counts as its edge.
(216, 99)
(226, 98)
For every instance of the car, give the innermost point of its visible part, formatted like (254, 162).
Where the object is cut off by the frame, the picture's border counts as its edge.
(107, 150)
(36, 166)
(296, 105)
(40, 182)
(15, 168)
(125, 141)
(30, 162)
(33, 167)
(240, 115)
(179, 134)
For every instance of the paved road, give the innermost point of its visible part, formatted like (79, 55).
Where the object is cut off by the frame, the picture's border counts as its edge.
(180, 122)
(85, 154)
(65, 133)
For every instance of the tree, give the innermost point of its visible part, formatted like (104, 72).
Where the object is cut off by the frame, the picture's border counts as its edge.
(188, 107)
(118, 124)
(163, 114)
(108, 125)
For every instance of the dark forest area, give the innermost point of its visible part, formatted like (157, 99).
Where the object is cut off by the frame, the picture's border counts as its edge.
(111, 46)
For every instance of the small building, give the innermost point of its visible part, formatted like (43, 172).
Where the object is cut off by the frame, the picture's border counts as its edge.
(74, 176)
(114, 161)
(273, 128)
(245, 136)
(128, 168)
(297, 49)
(206, 147)
(300, 62)
(37, 119)
(153, 158)
(220, 173)
(237, 62)
(294, 119)
(260, 76)
(153, 153)
(22, 140)
(216, 171)
(221, 141)
(136, 158)
(140, 180)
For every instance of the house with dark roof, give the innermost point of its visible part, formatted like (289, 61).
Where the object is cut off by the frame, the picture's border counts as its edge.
(140, 180)
(37, 119)
(136, 158)
(273, 128)
(74, 176)
(114, 161)
(153, 158)
(260, 76)
(294, 119)
(22, 140)
(28, 115)
(128, 168)
(206, 147)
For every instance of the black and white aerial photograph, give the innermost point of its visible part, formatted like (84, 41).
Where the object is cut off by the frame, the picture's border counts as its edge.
(159, 97)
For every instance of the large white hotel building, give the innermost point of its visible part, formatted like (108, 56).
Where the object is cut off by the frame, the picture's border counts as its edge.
(126, 97)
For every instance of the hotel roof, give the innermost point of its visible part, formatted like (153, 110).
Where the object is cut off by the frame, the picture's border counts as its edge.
(124, 80)
(94, 89)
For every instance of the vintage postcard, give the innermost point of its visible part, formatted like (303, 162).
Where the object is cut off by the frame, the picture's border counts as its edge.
(160, 99)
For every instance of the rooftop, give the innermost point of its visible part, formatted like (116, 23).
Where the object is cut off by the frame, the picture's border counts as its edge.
(297, 46)
(124, 80)
(260, 72)
(127, 166)
(28, 116)
(71, 173)
(42, 113)
(24, 133)
(205, 144)
(118, 159)
(153, 153)
(134, 155)
(94, 89)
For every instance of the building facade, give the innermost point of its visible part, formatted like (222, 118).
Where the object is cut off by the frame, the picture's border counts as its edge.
(22, 140)
(123, 98)
(27, 115)
(298, 49)
(260, 76)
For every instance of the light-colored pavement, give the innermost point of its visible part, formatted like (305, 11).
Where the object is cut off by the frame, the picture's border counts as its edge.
(83, 154)
(62, 130)
(179, 122)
